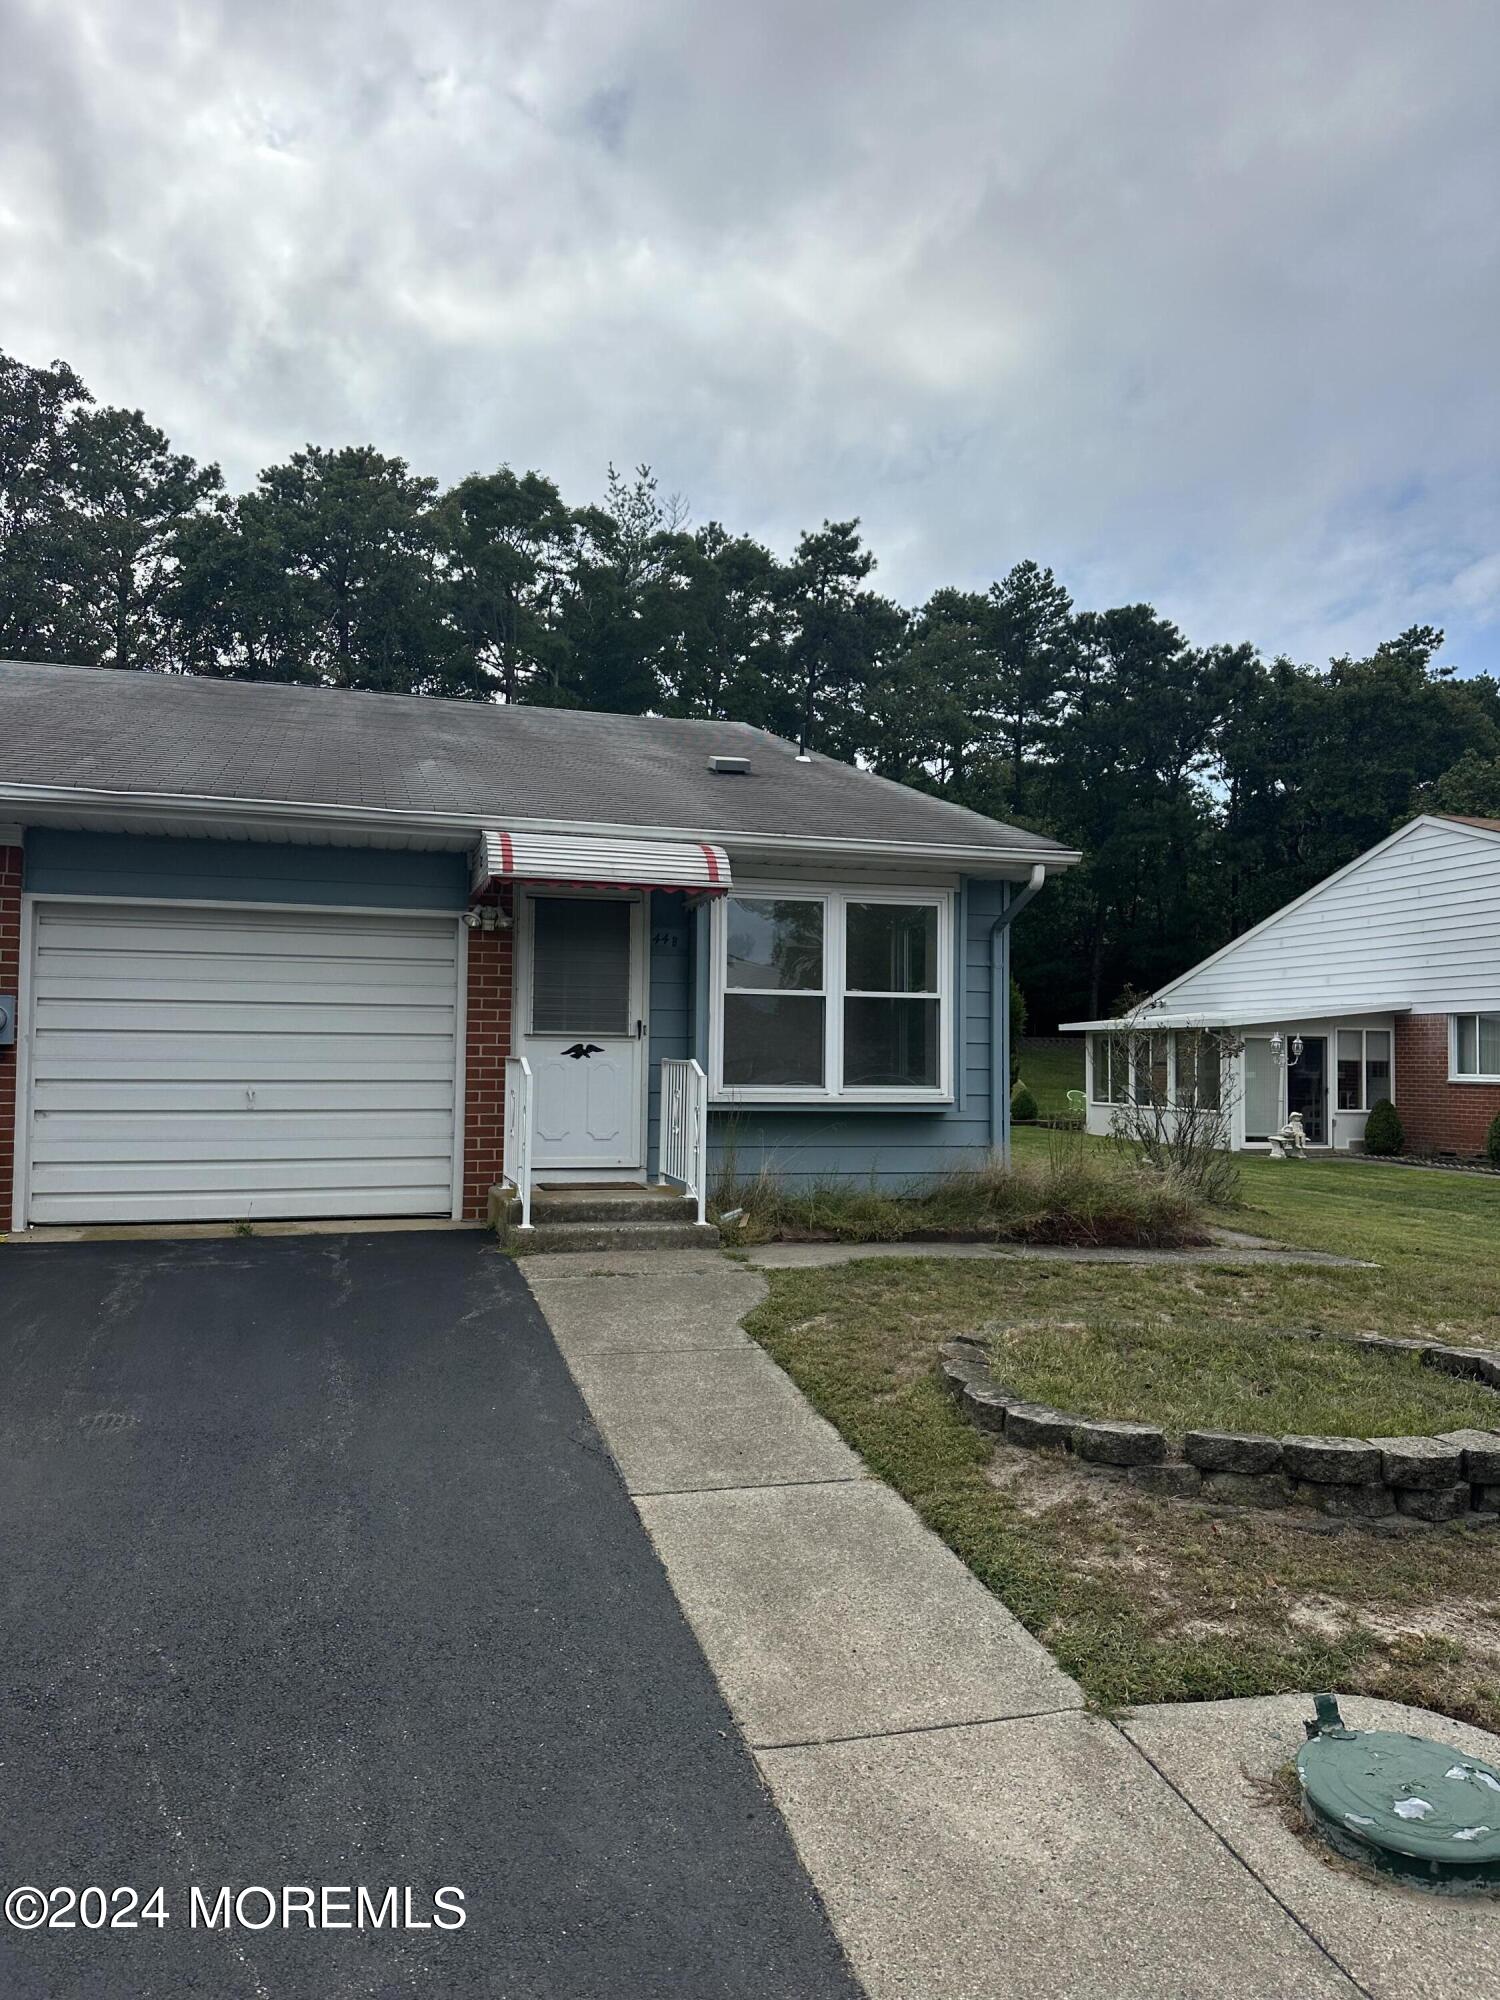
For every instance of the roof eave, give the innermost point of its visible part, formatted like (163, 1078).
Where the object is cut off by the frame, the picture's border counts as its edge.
(273, 817)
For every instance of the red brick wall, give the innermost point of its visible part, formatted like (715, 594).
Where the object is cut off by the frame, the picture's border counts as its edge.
(10, 982)
(1436, 1115)
(487, 1044)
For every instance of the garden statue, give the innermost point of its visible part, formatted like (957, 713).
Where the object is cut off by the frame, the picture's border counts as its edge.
(1291, 1140)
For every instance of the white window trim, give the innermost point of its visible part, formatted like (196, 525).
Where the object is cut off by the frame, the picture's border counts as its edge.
(1455, 1074)
(834, 899)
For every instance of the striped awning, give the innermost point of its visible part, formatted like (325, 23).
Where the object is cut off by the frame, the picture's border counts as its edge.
(584, 861)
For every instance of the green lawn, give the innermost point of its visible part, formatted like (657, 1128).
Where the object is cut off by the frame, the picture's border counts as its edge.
(1050, 1069)
(1435, 1236)
(1159, 1367)
(1151, 1600)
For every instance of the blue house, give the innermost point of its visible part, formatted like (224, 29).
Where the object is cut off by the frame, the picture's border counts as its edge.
(294, 952)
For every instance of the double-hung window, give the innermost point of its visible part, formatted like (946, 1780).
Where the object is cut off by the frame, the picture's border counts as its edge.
(834, 994)
(1476, 1048)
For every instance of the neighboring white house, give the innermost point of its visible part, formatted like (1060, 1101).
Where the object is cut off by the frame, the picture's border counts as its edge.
(1384, 981)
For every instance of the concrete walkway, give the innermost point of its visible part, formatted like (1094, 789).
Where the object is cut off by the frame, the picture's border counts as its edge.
(974, 1834)
(1230, 1246)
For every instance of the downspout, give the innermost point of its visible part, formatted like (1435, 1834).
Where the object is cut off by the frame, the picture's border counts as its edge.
(1000, 1012)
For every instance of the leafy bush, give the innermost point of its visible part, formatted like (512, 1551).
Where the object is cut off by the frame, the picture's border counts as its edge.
(1492, 1143)
(1383, 1133)
(1076, 1195)
(1023, 1106)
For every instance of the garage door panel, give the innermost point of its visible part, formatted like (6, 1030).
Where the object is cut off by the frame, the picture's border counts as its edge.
(278, 1139)
(203, 935)
(177, 1095)
(202, 1065)
(197, 1018)
(276, 1068)
(306, 984)
(238, 1176)
(232, 1055)
(297, 1204)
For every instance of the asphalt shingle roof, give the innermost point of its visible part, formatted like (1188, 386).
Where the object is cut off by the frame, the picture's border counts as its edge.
(158, 734)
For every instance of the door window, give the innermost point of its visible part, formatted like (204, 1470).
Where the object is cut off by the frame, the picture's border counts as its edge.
(580, 966)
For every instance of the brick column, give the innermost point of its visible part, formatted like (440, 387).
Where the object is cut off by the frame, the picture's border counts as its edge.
(486, 1045)
(1438, 1116)
(10, 982)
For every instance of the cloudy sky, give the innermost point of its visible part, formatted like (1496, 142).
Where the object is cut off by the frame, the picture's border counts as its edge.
(1195, 300)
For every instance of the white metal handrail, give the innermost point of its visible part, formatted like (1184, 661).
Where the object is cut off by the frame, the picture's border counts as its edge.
(684, 1128)
(517, 1159)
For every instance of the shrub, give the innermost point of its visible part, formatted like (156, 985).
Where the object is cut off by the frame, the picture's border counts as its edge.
(1383, 1133)
(1492, 1143)
(1184, 1134)
(1023, 1106)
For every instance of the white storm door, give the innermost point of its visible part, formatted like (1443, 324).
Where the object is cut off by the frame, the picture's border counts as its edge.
(583, 1030)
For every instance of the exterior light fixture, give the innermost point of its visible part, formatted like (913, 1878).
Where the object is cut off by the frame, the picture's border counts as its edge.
(1278, 1043)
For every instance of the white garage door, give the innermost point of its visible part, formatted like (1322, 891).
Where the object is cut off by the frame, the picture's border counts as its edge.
(197, 1065)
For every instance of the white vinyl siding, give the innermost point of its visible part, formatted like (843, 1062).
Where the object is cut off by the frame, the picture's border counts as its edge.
(192, 1064)
(1415, 923)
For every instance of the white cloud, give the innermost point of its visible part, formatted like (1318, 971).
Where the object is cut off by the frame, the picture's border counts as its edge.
(1196, 304)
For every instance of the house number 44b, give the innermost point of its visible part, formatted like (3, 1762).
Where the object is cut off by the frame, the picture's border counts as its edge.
(666, 940)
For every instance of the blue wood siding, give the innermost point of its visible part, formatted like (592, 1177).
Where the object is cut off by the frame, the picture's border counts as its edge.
(61, 863)
(890, 1147)
(670, 1026)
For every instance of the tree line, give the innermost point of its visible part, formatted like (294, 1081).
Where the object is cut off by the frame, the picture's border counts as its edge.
(1205, 785)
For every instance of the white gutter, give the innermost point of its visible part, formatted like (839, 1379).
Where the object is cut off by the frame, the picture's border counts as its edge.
(289, 815)
(1256, 1016)
(1000, 1010)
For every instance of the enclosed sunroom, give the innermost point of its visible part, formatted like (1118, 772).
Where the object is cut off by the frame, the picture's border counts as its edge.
(1330, 1072)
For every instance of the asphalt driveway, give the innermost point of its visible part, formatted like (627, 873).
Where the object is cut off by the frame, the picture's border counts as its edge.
(315, 1573)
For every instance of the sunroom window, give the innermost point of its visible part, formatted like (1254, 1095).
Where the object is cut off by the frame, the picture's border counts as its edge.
(1364, 1067)
(1476, 1045)
(1110, 1068)
(1196, 1065)
(835, 994)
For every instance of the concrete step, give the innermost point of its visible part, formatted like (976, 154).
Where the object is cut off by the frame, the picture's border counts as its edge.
(632, 1204)
(549, 1235)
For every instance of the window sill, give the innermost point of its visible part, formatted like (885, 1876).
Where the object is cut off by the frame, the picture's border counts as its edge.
(1490, 1080)
(820, 1100)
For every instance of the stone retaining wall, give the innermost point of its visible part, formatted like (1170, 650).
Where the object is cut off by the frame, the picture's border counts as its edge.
(1440, 1478)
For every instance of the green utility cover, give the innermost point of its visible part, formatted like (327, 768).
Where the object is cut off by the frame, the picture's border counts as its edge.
(1402, 1803)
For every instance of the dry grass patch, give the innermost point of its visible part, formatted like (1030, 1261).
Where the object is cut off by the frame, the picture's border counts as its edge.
(1068, 1193)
